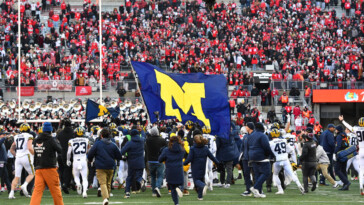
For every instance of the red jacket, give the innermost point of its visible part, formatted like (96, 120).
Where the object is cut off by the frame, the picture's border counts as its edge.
(296, 111)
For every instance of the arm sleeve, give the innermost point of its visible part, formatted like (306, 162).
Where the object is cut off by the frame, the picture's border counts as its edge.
(162, 157)
(338, 143)
(351, 128)
(124, 149)
(69, 153)
(91, 153)
(213, 146)
(304, 152)
(209, 154)
(118, 154)
(2, 141)
(189, 157)
(57, 146)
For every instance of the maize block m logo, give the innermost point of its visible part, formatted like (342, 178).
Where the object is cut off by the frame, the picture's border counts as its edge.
(102, 111)
(186, 97)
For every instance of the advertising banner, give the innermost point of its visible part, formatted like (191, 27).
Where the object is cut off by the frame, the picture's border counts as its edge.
(54, 85)
(338, 96)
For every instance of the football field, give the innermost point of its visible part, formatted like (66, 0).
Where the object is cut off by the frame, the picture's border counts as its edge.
(322, 195)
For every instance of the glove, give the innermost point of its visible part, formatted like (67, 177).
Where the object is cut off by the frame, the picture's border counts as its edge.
(334, 157)
(69, 163)
(294, 166)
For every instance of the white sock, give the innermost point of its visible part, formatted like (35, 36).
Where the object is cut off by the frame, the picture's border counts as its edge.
(11, 192)
(25, 184)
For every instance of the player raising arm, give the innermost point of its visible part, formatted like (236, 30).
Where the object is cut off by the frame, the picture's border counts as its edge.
(359, 131)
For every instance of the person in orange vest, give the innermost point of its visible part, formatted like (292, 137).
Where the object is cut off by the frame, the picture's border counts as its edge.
(307, 91)
(317, 127)
(284, 99)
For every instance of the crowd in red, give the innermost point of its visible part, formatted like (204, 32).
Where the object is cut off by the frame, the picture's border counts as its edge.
(300, 39)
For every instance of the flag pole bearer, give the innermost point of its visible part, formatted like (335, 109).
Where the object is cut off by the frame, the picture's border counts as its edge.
(138, 88)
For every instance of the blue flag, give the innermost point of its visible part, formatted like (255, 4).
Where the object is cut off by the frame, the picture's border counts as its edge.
(196, 97)
(94, 110)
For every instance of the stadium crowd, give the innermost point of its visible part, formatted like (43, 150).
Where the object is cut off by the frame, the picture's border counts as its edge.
(303, 40)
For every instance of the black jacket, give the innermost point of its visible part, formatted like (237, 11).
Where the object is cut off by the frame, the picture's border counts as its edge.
(154, 144)
(45, 148)
(63, 137)
(308, 152)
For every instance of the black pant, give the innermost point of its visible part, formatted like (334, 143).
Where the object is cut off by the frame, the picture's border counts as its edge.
(246, 172)
(91, 174)
(4, 177)
(65, 172)
(308, 170)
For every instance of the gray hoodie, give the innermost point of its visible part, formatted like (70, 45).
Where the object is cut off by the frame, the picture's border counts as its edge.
(321, 155)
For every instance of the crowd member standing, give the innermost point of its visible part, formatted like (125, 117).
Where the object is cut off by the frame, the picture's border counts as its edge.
(22, 149)
(135, 150)
(198, 158)
(154, 143)
(327, 142)
(65, 171)
(259, 154)
(105, 153)
(45, 162)
(173, 156)
(308, 160)
(245, 159)
(340, 166)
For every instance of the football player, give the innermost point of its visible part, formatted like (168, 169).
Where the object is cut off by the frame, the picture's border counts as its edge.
(359, 131)
(22, 149)
(79, 147)
(281, 150)
(209, 176)
(353, 141)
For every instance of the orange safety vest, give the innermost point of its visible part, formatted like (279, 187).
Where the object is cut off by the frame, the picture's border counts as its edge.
(317, 128)
(284, 99)
(308, 92)
(306, 114)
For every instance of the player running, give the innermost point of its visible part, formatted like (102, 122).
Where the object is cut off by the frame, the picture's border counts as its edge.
(211, 144)
(359, 131)
(79, 146)
(281, 150)
(22, 149)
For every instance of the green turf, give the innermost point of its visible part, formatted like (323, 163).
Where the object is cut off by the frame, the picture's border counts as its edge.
(323, 195)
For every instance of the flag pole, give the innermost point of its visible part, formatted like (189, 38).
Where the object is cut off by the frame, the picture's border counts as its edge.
(138, 88)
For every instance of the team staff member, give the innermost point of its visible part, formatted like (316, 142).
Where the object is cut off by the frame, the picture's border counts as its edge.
(45, 163)
(245, 159)
(340, 167)
(105, 153)
(327, 141)
(308, 160)
(259, 154)
(66, 171)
